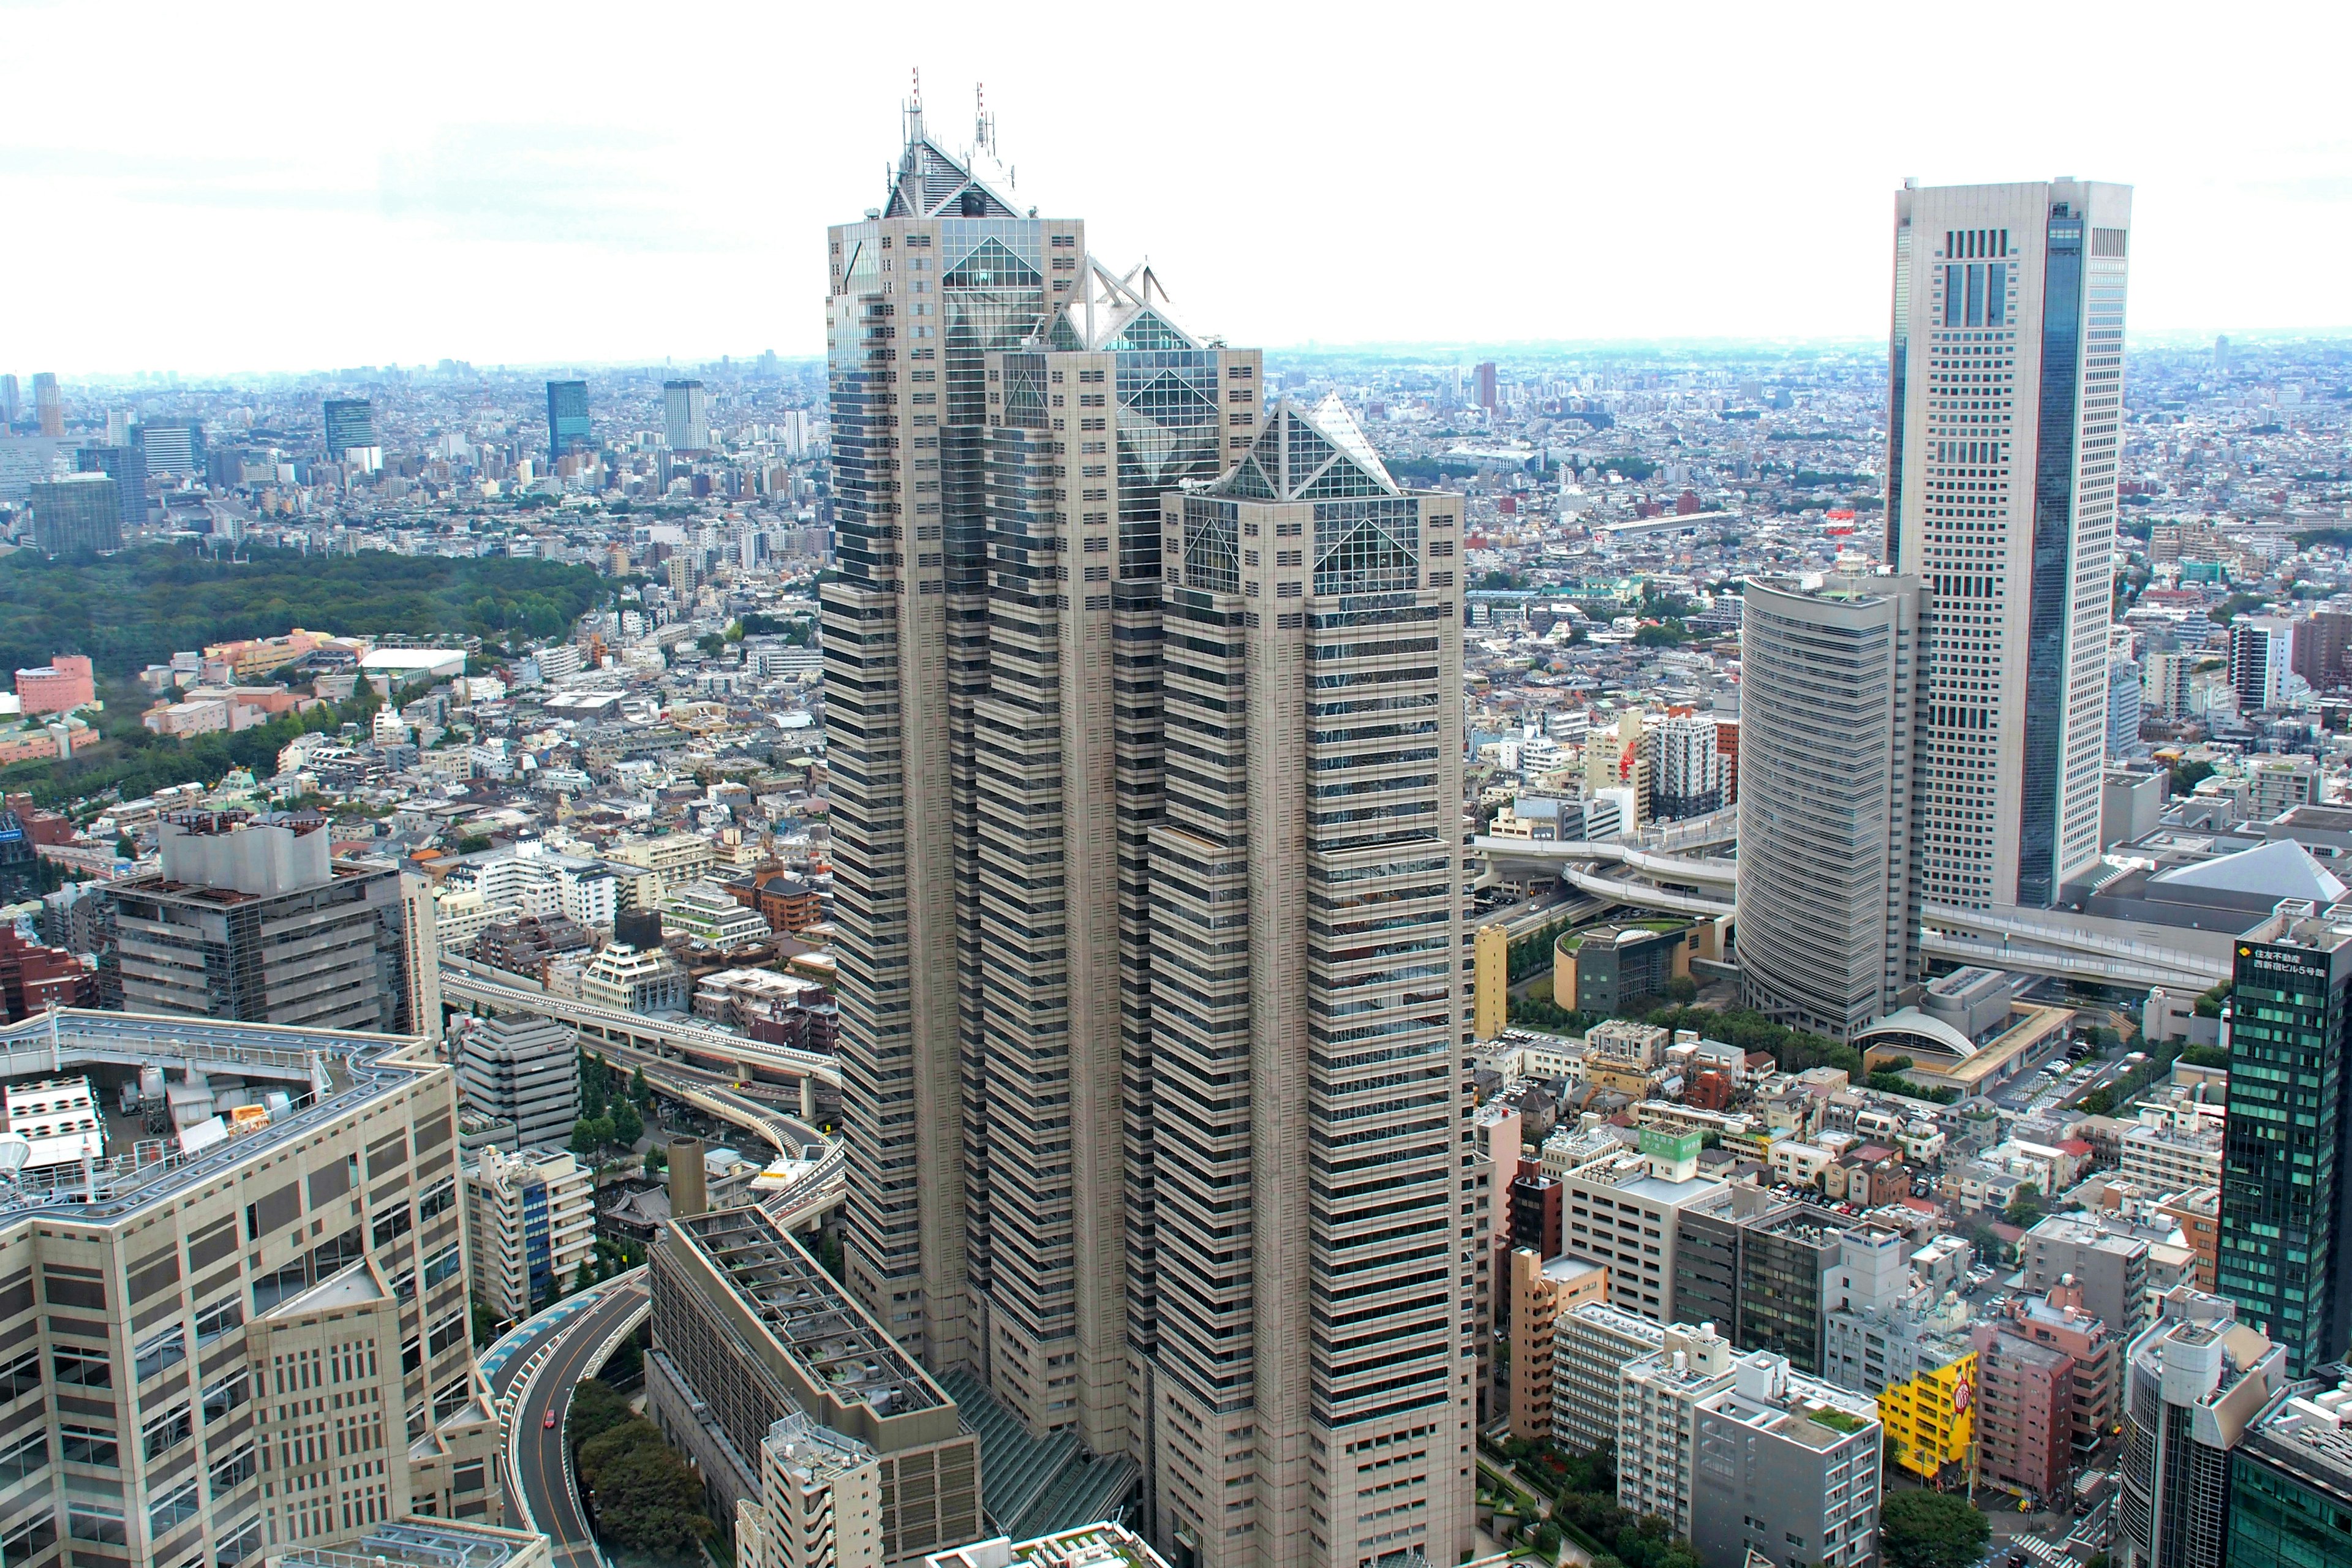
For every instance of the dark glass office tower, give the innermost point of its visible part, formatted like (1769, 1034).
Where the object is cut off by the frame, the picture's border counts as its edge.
(128, 465)
(79, 515)
(567, 419)
(2285, 1245)
(350, 421)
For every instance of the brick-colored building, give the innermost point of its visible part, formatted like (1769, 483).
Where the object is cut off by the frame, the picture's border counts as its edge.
(2198, 1214)
(2022, 1424)
(63, 683)
(1541, 1289)
(782, 900)
(33, 976)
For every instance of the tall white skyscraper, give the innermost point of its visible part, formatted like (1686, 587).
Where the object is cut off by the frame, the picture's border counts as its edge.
(2005, 412)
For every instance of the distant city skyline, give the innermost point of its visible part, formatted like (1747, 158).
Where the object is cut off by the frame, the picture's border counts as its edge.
(517, 197)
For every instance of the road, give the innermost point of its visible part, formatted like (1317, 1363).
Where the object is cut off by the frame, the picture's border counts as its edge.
(542, 1480)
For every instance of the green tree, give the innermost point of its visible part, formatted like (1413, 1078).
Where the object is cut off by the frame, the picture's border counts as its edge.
(648, 1499)
(627, 1125)
(640, 1090)
(2099, 1103)
(2026, 1209)
(596, 1409)
(1931, 1530)
(584, 1276)
(656, 1161)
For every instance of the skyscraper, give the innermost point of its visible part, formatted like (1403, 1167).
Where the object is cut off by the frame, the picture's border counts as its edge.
(2285, 1245)
(1058, 1080)
(1313, 1275)
(350, 421)
(1830, 714)
(127, 467)
(48, 404)
(9, 394)
(1091, 910)
(686, 415)
(921, 290)
(78, 514)
(2004, 409)
(176, 445)
(567, 419)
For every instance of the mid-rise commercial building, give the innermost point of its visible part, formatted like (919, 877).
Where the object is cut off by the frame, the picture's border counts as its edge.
(1657, 1401)
(76, 514)
(2166, 692)
(749, 1331)
(2020, 1413)
(2194, 1382)
(1685, 767)
(1542, 1289)
(635, 980)
(1624, 1210)
(531, 1219)
(197, 1335)
(567, 419)
(1786, 1467)
(2290, 1481)
(2262, 657)
(2109, 1270)
(1592, 1343)
(525, 1071)
(251, 918)
(1783, 1264)
(819, 1503)
(2005, 404)
(686, 415)
(1830, 706)
(2284, 1253)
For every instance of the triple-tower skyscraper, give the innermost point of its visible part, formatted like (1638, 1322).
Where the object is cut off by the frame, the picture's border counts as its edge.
(1145, 735)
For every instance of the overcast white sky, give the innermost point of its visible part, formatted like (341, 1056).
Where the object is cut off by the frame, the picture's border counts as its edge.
(207, 187)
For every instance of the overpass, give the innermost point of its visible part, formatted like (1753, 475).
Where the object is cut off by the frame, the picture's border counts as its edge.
(2066, 947)
(733, 1058)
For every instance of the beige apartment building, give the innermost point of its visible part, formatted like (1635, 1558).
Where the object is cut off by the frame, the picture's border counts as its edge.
(253, 1342)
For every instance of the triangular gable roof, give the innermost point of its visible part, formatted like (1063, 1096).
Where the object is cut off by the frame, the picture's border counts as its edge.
(932, 183)
(1115, 313)
(1309, 456)
(2280, 868)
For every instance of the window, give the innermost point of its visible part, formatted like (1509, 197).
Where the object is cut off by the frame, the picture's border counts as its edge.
(95, 1521)
(467, 1477)
(452, 1330)
(171, 1510)
(26, 1456)
(390, 1227)
(217, 1320)
(233, 1471)
(226, 1396)
(443, 1265)
(84, 1368)
(29, 1540)
(440, 1200)
(89, 1446)
(450, 1400)
(21, 1376)
(411, 1356)
(169, 1348)
(164, 1432)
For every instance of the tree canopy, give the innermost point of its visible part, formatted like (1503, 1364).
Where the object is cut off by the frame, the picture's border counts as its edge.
(1931, 1530)
(138, 607)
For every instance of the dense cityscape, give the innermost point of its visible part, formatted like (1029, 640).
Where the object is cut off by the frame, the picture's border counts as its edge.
(1688, 956)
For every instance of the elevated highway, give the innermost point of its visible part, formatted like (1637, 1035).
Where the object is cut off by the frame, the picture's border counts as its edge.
(1646, 876)
(733, 1058)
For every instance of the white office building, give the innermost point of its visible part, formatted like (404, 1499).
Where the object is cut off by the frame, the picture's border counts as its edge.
(524, 1071)
(2005, 412)
(531, 1219)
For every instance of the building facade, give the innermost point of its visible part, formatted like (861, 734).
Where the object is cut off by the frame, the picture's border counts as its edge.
(283, 1360)
(252, 920)
(2285, 1246)
(1592, 1343)
(2194, 1382)
(76, 514)
(524, 1071)
(686, 415)
(2291, 1482)
(531, 1220)
(567, 419)
(1828, 889)
(2005, 403)
(1784, 1467)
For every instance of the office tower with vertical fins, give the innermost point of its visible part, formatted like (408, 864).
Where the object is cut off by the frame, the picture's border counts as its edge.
(921, 291)
(2005, 409)
(1313, 1269)
(1109, 405)
(567, 426)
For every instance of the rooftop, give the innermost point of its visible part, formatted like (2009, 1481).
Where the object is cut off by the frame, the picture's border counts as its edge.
(414, 1542)
(803, 1308)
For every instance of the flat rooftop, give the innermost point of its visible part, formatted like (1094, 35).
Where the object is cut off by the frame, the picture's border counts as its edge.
(805, 1311)
(326, 1073)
